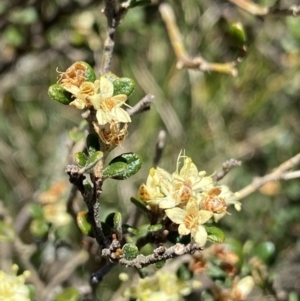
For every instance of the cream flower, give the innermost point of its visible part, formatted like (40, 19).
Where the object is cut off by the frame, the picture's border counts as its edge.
(163, 286)
(186, 184)
(191, 220)
(156, 187)
(108, 106)
(81, 94)
(12, 287)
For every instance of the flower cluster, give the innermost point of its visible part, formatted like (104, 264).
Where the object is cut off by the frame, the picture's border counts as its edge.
(188, 197)
(97, 95)
(12, 287)
(163, 286)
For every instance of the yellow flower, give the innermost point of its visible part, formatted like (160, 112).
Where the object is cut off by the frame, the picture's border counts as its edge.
(186, 183)
(81, 94)
(156, 187)
(12, 287)
(191, 220)
(108, 106)
(163, 286)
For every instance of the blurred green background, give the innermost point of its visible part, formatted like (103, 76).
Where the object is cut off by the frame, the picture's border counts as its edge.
(253, 117)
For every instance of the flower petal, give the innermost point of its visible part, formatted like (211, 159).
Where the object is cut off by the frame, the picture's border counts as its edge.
(106, 88)
(120, 115)
(176, 215)
(200, 235)
(204, 216)
(96, 101)
(182, 230)
(102, 117)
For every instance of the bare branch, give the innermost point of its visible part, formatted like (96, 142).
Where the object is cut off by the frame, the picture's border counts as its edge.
(65, 272)
(114, 16)
(161, 253)
(143, 105)
(257, 10)
(226, 167)
(183, 59)
(159, 147)
(279, 173)
(91, 200)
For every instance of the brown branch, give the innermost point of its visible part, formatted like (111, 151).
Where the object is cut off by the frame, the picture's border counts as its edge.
(226, 167)
(65, 272)
(159, 147)
(90, 197)
(114, 15)
(279, 173)
(183, 58)
(257, 10)
(161, 253)
(143, 105)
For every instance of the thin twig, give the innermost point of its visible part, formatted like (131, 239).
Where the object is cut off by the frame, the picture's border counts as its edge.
(257, 10)
(91, 200)
(143, 105)
(159, 147)
(159, 254)
(226, 167)
(114, 14)
(278, 174)
(98, 276)
(183, 58)
(65, 272)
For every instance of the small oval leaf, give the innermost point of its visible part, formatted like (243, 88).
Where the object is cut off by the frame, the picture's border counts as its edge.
(130, 251)
(92, 143)
(89, 75)
(83, 223)
(124, 85)
(114, 170)
(155, 228)
(80, 159)
(133, 161)
(140, 204)
(93, 160)
(57, 92)
(75, 135)
(265, 251)
(215, 234)
(160, 264)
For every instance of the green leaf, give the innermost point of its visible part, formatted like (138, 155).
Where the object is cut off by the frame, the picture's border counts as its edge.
(92, 143)
(93, 160)
(69, 293)
(130, 251)
(39, 227)
(89, 75)
(129, 229)
(83, 224)
(160, 264)
(184, 273)
(118, 221)
(115, 170)
(135, 3)
(75, 134)
(237, 31)
(133, 161)
(215, 234)
(36, 210)
(80, 159)
(175, 237)
(7, 233)
(265, 251)
(155, 228)
(123, 85)
(58, 93)
(140, 204)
